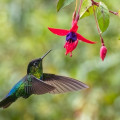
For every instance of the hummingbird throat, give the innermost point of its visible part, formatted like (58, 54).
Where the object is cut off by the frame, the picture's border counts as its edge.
(37, 72)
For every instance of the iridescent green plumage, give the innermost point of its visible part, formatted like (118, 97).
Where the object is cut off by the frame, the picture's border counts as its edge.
(30, 84)
(36, 71)
(37, 82)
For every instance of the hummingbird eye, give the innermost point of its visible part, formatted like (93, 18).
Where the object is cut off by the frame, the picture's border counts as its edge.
(35, 64)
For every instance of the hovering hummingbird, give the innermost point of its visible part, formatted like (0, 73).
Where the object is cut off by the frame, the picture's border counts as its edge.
(37, 82)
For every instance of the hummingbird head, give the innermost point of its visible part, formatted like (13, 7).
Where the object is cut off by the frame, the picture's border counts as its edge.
(35, 66)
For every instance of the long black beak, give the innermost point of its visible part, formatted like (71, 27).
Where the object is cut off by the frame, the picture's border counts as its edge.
(45, 54)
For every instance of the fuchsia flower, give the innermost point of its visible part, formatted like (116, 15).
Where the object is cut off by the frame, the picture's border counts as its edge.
(103, 52)
(72, 37)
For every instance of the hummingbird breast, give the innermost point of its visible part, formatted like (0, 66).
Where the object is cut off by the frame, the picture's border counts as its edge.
(37, 72)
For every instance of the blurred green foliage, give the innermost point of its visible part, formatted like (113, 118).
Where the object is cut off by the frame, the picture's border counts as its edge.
(24, 36)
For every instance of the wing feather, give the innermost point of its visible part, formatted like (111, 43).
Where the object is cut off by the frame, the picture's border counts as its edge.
(36, 86)
(63, 84)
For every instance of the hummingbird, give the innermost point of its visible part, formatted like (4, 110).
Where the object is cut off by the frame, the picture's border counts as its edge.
(37, 82)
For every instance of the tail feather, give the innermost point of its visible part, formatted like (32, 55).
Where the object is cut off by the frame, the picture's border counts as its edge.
(6, 102)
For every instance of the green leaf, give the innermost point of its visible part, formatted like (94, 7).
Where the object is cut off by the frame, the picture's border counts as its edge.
(63, 3)
(85, 6)
(103, 17)
(88, 11)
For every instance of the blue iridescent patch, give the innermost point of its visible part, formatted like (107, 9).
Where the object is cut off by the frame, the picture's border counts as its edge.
(71, 37)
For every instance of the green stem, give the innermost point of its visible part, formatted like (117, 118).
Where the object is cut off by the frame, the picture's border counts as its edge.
(98, 26)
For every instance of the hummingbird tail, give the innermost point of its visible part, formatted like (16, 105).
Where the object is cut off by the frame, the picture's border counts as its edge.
(7, 101)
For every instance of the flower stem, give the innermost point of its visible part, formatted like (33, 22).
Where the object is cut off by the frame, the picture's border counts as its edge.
(76, 5)
(80, 6)
(98, 26)
(78, 15)
(74, 13)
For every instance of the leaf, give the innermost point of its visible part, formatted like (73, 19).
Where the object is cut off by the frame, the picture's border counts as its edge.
(63, 3)
(88, 11)
(103, 17)
(85, 6)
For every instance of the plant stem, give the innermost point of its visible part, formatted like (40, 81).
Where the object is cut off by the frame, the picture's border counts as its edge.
(98, 26)
(97, 4)
(74, 13)
(115, 13)
(78, 15)
(80, 6)
(76, 5)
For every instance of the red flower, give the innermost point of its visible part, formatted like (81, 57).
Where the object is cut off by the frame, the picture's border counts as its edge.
(103, 52)
(72, 37)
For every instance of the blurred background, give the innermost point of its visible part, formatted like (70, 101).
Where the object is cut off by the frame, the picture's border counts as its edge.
(24, 36)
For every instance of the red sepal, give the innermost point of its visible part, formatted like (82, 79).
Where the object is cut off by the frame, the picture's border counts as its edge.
(74, 27)
(80, 37)
(60, 32)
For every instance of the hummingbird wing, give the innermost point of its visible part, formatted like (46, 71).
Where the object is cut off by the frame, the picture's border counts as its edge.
(24, 88)
(36, 86)
(62, 84)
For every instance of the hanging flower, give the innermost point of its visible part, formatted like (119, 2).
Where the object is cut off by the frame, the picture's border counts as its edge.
(103, 52)
(72, 37)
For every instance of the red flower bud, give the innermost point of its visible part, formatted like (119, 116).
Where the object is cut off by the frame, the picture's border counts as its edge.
(103, 52)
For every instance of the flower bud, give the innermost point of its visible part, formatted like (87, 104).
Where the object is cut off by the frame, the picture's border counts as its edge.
(103, 52)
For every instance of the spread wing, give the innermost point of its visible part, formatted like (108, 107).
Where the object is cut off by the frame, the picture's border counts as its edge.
(36, 86)
(63, 84)
(24, 88)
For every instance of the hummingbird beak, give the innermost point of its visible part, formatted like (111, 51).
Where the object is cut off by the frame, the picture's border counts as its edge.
(45, 54)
